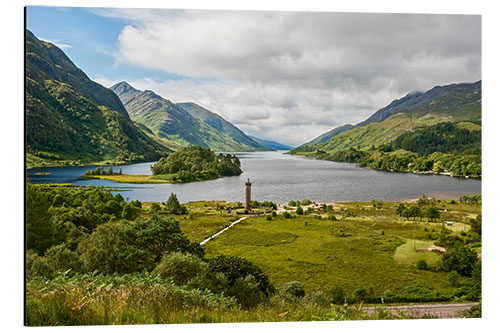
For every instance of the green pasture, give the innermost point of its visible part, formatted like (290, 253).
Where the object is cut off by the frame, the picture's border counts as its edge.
(319, 253)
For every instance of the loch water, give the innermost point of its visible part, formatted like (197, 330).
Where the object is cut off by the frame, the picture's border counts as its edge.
(278, 177)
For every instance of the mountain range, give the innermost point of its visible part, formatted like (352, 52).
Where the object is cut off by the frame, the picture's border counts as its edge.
(456, 103)
(272, 144)
(72, 119)
(186, 124)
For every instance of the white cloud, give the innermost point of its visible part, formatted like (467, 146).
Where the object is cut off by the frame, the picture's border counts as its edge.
(303, 72)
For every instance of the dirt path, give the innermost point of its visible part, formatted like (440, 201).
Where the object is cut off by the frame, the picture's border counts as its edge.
(220, 232)
(419, 310)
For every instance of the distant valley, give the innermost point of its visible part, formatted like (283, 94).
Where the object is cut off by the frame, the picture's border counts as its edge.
(184, 124)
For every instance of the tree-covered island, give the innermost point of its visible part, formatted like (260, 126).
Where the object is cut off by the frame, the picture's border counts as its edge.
(190, 164)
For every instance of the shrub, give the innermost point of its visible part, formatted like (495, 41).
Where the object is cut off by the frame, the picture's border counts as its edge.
(130, 211)
(99, 251)
(299, 211)
(234, 268)
(363, 294)
(173, 206)
(154, 208)
(247, 291)
(180, 267)
(269, 217)
(459, 258)
(36, 265)
(422, 265)
(273, 214)
(286, 215)
(454, 278)
(336, 294)
(318, 298)
(294, 289)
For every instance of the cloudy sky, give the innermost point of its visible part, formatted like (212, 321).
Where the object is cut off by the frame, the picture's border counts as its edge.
(285, 76)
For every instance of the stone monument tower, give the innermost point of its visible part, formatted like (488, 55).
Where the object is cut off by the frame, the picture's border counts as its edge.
(248, 195)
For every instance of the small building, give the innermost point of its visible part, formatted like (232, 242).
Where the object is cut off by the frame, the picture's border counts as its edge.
(449, 223)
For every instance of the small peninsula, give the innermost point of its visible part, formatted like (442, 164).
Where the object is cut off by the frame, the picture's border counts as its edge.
(190, 164)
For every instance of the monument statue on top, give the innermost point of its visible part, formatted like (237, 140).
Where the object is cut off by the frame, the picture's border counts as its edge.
(248, 196)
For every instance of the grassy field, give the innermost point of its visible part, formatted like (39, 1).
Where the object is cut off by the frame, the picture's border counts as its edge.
(375, 248)
(320, 253)
(139, 179)
(135, 179)
(414, 250)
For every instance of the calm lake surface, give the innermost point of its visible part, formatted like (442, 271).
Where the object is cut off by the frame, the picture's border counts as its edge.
(279, 178)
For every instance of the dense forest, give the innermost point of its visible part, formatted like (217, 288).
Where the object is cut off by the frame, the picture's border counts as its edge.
(443, 137)
(441, 148)
(196, 163)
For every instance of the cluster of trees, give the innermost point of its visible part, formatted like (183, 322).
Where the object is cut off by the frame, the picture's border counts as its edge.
(296, 203)
(115, 247)
(197, 163)
(461, 261)
(56, 215)
(474, 199)
(171, 206)
(424, 208)
(350, 155)
(100, 171)
(457, 165)
(270, 204)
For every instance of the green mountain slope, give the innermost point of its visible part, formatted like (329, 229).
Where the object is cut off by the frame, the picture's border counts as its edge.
(222, 126)
(452, 103)
(330, 134)
(70, 119)
(459, 100)
(171, 121)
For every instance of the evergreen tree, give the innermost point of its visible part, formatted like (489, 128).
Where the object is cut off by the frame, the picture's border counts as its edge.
(173, 206)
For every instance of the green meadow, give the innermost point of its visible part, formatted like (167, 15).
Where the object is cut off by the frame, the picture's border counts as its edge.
(351, 253)
(374, 249)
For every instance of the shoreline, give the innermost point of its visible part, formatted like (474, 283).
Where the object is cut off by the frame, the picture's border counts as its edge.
(424, 173)
(131, 179)
(141, 179)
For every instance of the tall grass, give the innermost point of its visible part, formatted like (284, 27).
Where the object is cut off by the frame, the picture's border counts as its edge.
(146, 299)
(114, 299)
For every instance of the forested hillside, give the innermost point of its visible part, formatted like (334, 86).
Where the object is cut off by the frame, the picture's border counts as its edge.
(72, 120)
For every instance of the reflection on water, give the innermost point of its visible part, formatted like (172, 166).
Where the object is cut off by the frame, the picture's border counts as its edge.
(280, 178)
